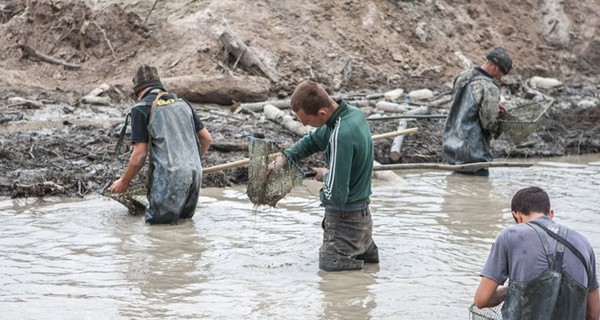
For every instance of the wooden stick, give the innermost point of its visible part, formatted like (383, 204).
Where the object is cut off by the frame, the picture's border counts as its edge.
(422, 116)
(395, 133)
(243, 162)
(153, 6)
(225, 166)
(106, 36)
(29, 52)
(441, 166)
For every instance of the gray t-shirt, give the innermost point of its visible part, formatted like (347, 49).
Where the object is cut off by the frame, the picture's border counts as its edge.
(518, 254)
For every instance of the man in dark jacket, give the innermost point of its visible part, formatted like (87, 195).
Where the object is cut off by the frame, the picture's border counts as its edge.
(169, 129)
(473, 117)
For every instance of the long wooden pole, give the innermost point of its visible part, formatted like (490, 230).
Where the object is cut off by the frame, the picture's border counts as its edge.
(243, 162)
(442, 166)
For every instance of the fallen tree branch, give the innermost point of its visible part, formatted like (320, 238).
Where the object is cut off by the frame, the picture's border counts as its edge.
(152, 9)
(29, 52)
(106, 37)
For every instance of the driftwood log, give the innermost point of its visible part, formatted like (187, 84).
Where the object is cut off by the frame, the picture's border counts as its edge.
(249, 60)
(104, 101)
(18, 101)
(395, 150)
(94, 96)
(99, 90)
(285, 120)
(391, 107)
(220, 89)
(258, 106)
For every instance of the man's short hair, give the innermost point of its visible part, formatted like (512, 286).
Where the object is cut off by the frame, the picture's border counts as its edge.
(531, 199)
(310, 97)
(500, 57)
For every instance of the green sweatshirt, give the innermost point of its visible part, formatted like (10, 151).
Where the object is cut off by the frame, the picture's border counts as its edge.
(346, 140)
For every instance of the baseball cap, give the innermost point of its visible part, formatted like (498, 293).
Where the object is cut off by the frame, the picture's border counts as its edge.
(500, 57)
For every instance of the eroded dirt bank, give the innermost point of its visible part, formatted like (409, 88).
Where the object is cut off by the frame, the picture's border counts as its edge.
(352, 47)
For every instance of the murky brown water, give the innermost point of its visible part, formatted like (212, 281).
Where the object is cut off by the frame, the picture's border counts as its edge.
(89, 259)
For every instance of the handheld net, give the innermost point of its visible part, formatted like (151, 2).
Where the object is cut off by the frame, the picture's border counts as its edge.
(265, 186)
(135, 200)
(485, 313)
(519, 122)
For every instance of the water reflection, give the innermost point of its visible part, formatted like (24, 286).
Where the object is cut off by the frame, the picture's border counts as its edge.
(347, 295)
(471, 205)
(164, 264)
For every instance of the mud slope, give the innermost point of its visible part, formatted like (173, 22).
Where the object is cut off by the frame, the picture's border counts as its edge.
(349, 46)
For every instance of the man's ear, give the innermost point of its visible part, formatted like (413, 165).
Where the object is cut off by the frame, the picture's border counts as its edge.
(323, 113)
(518, 216)
(514, 215)
(551, 214)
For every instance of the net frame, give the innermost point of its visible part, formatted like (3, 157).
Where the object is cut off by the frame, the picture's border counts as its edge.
(266, 186)
(519, 122)
(135, 200)
(493, 313)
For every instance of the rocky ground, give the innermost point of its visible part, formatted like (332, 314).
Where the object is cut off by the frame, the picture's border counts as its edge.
(58, 51)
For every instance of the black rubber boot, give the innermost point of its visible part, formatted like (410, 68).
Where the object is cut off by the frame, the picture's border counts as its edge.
(371, 256)
(339, 263)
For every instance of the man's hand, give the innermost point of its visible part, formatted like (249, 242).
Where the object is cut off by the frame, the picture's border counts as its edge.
(119, 186)
(320, 173)
(278, 163)
(502, 108)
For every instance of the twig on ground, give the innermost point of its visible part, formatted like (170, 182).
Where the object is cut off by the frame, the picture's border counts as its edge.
(30, 52)
(153, 6)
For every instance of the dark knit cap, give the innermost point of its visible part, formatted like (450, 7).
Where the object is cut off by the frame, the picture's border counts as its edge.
(145, 76)
(500, 57)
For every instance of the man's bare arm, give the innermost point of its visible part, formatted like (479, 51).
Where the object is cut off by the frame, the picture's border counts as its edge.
(489, 293)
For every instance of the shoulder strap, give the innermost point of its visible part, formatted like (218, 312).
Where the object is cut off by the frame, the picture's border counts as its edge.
(547, 250)
(122, 135)
(564, 241)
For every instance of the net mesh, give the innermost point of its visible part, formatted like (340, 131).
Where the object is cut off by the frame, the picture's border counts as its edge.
(265, 186)
(485, 313)
(519, 122)
(135, 200)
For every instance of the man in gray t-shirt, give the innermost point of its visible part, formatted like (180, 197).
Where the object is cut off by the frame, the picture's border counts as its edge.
(548, 279)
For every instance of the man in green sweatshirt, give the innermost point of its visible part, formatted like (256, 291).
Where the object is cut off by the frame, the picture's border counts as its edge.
(343, 133)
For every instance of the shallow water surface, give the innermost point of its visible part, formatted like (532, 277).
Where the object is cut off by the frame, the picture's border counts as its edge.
(89, 259)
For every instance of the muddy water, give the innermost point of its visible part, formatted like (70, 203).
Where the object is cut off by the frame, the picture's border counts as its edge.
(89, 259)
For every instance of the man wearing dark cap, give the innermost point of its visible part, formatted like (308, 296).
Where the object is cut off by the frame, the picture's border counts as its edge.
(473, 117)
(169, 129)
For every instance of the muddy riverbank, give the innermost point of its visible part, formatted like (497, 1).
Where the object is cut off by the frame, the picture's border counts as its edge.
(60, 150)
(55, 142)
